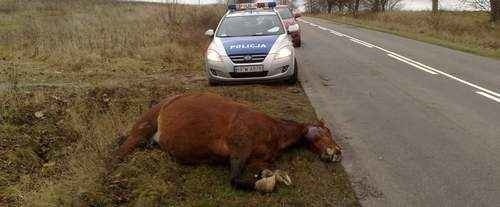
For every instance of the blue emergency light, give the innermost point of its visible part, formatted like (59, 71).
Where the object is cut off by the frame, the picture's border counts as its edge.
(245, 4)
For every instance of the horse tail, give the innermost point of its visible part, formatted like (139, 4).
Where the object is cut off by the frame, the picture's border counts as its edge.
(143, 129)
(146, 128)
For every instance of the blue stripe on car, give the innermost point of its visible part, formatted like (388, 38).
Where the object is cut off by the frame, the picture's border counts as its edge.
(248, 45)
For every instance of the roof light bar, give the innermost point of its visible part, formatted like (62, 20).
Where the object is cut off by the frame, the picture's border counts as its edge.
(245, 5)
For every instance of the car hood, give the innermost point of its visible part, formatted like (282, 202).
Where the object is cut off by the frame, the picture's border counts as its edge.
(248, 45)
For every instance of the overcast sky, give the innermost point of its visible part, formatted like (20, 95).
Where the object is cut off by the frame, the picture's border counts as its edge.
(405, 4)
(427, 5)
(183, 1)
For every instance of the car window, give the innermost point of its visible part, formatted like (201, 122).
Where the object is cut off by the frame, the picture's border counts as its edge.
(285, 13)
(252, 25)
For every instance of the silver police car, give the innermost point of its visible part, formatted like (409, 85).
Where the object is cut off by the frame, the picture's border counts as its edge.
(251, 45)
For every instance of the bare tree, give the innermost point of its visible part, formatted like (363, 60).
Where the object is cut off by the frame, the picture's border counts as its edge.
(495, 10)
(356, 7)
(381, 5)
(486, 5)
(435, 6)
(353, 6)
(316, 6)
(330, 4)
(393, 5)
(483, 5)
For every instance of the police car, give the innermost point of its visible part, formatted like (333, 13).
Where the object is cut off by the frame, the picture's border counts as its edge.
(251, 44)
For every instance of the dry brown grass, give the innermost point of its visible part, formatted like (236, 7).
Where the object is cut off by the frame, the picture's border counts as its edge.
(466, 31)
(76, 37)
(74, 74)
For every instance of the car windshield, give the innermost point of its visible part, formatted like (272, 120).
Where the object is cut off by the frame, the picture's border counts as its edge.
(285, 13)
(252, 25)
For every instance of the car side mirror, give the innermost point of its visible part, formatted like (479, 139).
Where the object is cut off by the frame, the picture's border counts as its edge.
(293, 28)
(209, 33)
(297, 15)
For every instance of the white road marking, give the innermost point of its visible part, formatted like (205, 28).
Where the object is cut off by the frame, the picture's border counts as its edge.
(412, 64)
(442, 73)
(348, 36)
(483, 91)
(387, 51)
(413, 61)
(488, 96)
(362, 42)
(336, 33)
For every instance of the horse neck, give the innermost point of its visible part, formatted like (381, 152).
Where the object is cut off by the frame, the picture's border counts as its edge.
(290, 133)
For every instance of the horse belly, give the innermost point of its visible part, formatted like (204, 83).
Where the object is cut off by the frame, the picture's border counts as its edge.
(194, 142)
(193, 128)
(199, 151)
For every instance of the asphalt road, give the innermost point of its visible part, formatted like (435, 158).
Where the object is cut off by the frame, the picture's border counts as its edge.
(420, 122)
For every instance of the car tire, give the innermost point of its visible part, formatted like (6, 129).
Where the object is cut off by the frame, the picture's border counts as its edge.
(295, 77)
(297, 43)
(212, 82)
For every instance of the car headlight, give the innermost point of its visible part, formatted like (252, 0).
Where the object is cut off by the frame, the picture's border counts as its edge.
(212, 55)
(283, 53)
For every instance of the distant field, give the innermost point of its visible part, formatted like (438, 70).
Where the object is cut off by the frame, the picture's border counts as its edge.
(76, 74)
(467, 31)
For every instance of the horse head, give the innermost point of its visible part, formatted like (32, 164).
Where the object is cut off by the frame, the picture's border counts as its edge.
(321, 141)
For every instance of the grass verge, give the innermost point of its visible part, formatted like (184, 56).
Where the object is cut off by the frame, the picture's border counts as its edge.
(466, 31)
(76, 74)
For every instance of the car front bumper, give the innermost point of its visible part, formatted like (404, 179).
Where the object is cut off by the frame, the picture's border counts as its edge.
(274, 69)
(296, 37)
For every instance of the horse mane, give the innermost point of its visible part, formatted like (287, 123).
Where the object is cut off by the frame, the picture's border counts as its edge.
(288, 121)
(291, 132)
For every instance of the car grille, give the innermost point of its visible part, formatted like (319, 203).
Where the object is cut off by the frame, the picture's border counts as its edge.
(256, 58)
(249, 75)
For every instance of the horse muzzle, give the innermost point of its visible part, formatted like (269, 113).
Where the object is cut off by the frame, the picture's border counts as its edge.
(331, 155)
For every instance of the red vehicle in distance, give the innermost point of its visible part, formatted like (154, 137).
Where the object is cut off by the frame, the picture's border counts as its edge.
(289, 18)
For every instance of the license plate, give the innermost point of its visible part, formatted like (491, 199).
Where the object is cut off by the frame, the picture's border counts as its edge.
(248, 68)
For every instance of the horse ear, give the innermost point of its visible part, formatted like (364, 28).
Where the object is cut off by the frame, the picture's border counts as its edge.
(312, 133)
(153, 103)
(322, 122)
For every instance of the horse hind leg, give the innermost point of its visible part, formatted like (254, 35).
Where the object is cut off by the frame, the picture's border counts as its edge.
(145, 128)
(141, 131)
(154, 140)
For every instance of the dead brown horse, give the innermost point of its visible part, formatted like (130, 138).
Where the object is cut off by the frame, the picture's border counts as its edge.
(207, 128)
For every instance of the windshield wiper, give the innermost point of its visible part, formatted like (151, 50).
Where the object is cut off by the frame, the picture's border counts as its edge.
(262, 34)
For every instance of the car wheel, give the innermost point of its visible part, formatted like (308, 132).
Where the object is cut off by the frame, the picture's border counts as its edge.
(294, 78)
(212, 82)
(297, 43)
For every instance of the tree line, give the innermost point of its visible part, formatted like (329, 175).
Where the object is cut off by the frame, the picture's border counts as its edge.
(354, 6)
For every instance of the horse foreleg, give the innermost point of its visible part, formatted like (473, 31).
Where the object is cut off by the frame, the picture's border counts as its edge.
(237, 167)
(257, 166)
(268, 179)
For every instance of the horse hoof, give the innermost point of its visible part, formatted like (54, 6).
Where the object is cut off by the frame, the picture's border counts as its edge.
(331, 155)
(266, 184)
(283, 177)
(266, 173)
